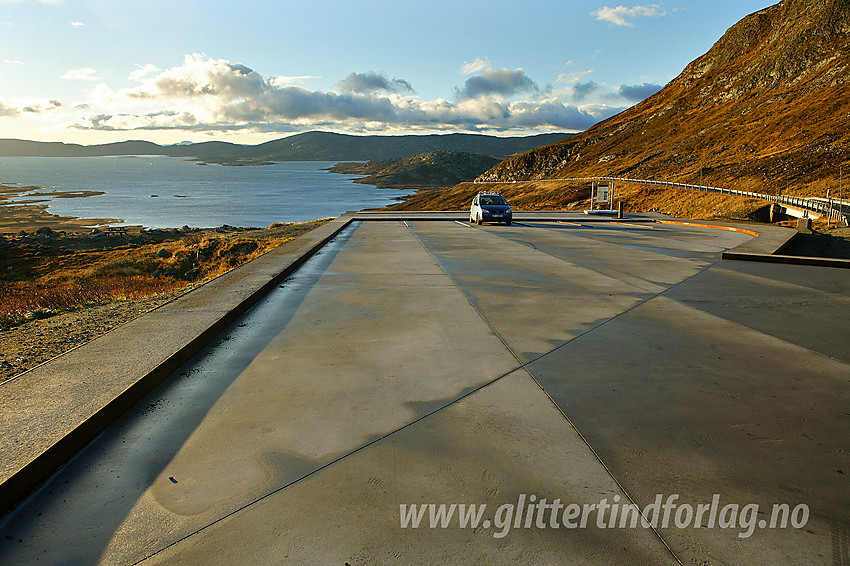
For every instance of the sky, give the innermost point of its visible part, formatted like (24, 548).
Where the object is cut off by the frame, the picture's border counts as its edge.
(98, 71)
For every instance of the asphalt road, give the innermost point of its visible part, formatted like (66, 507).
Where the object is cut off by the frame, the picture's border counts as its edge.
(438, 363)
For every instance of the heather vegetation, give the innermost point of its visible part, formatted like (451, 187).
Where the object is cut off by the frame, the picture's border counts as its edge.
(50, 273)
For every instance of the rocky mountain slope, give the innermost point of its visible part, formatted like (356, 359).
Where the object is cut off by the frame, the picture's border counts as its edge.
(767, 108)
(433, 169)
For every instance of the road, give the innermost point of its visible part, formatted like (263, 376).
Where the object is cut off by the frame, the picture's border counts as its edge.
(435, 362)
(834, 208)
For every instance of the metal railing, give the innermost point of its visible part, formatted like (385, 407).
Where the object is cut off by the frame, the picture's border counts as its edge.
(832, 208)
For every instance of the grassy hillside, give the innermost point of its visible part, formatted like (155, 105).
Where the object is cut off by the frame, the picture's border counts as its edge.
(766, 109)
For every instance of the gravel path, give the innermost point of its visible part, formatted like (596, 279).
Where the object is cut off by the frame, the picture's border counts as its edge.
(37, 341)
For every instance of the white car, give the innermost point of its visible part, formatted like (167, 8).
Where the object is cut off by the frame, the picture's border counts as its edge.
(490, 207)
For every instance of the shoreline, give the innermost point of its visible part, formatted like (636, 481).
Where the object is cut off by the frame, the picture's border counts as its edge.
(30, 210)
(30, 216)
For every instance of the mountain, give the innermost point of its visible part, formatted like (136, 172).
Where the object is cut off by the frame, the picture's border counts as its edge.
(767, 107)
(433, 169)
(330, 147)
(308, 146)
(13, 148)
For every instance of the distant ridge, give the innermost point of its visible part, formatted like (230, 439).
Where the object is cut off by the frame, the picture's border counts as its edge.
(767, 107)
(308, 146)
(432, 169)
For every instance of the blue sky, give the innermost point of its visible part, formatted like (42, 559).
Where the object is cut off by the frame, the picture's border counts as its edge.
(95, 71)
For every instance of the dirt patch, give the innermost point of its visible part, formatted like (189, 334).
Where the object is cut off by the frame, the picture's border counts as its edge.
(27, 345)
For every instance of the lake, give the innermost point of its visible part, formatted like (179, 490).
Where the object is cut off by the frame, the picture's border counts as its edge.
(187, 193)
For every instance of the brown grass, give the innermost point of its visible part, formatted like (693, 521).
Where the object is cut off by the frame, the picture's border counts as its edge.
(530, 195)
(64, 274)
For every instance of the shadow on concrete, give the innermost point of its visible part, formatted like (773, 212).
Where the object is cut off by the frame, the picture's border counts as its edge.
(73, 518)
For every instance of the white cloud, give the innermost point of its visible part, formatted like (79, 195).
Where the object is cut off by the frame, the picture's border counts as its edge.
(569, 78)
(213, 95)
(82, 74)
(8, 110)
(282, 80)
(478, 64)
(77, 24)
(620, 15)
(13, 62)
(28, 107)
(143, 71)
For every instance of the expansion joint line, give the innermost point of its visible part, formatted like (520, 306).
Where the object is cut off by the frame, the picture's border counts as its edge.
(330, 463)
(524, 366)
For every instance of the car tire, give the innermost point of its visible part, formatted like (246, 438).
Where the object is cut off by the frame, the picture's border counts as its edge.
(508, 223)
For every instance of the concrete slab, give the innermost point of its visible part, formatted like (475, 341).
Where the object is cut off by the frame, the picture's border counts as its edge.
(540, 288)
(827, 280)
(50, 412)
(645, 269)
(678, 401)
(324, 366)
(490, 448)
(783, 309)
(393, 369)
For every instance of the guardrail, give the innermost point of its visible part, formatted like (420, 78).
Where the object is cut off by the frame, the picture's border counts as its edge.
(831, 208)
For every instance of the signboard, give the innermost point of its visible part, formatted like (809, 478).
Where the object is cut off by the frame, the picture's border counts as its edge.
(602, 193)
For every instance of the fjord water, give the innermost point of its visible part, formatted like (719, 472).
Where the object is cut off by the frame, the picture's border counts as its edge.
(188, 193)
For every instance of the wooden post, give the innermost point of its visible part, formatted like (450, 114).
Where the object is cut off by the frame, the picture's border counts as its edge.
(620, 210)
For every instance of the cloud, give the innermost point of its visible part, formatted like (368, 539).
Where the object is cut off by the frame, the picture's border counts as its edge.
(620, 15)
(31, 107)
(373, 82)
(77, 24)
(143, 71)
(582, 90)
(470, 67)
(13, 62)
(202, 76)
(6, 111)
(214, 95)
(637, 93)
(298, 79)
(504, 82)
(82, 74)
(574, 77)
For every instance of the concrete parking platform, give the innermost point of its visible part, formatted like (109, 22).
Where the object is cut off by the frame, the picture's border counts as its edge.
(426, 362)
